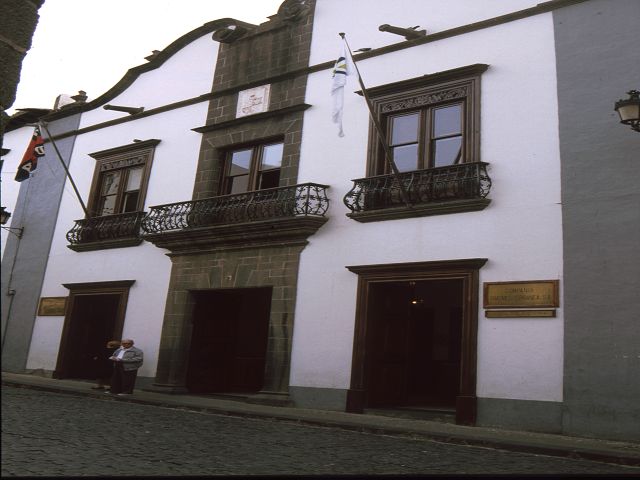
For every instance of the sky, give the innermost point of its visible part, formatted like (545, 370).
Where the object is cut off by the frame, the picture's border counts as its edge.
(90, 44)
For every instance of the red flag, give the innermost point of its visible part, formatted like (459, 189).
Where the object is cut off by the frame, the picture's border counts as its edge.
(30, 159)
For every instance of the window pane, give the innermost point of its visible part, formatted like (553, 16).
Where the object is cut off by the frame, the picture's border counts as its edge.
(110, 183)
(446, 120)
(404, 129)
(107, 205)
(272, 156)
(270, 179)
(406, 157)
(130, 203)
(109, 192)
(446, 151)
(240, 162)
(134, 179)
(239, 184)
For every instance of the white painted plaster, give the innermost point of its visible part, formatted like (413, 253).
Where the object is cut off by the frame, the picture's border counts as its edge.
(186, 74)
(519, 233)
(45, 341)
(360, 19)
(172, 177)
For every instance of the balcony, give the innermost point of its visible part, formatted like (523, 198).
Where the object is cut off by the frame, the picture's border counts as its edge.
(257, 218)
(433, 191)
(108, 231)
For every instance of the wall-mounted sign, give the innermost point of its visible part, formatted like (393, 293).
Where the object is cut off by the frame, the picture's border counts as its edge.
(530, 294)
(520, 313)
(252, 101)
(52, 306)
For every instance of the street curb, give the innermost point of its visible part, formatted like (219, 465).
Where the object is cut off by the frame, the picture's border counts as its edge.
(478, 440)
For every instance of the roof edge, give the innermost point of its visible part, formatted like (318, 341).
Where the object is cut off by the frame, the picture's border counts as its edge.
(133, 73)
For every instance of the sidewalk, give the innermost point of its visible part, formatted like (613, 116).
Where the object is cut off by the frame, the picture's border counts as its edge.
(527, 442)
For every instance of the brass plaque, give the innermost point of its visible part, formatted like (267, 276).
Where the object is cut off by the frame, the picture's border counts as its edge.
(531, 294)
(520, 313)
(52, 306)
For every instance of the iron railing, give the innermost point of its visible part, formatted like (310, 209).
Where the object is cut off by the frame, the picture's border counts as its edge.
(453, 182)
(106, 228)
(308, 199)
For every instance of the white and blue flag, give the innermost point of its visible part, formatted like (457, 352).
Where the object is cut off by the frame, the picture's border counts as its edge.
(341, 70)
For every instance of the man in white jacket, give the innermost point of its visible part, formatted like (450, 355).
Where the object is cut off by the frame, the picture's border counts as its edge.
(126, 361)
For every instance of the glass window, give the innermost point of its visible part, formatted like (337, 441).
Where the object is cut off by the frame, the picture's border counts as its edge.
(447, 151)
(239, 170)
(132, 192)
(446, 135)
(430, 137)
(431, 121)
(270, 166)
(109, 192)
(404, 141)
(120, 181)
(254, 168)
(447, 120)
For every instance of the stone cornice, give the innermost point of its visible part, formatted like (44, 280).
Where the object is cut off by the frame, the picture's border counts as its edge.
(253, 118)
(267, 233)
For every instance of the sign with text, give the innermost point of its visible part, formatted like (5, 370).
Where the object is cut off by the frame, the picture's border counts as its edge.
(520, 313)
(52, 306)
(529, 294)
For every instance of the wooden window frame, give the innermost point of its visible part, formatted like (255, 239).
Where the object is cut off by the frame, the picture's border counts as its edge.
(460, 85)
(122, 158)
(257, 148)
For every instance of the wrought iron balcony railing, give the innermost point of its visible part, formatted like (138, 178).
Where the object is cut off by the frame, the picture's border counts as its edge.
(308, 199)
(123, 226)
(441, 184)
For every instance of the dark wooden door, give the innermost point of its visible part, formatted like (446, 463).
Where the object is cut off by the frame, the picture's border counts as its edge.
(415, 344)
(92, 325)
(214, 320)
(389, 353)
(229, 340)
(250, 347)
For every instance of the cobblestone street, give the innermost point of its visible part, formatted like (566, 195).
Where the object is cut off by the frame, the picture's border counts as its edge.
(54, 434)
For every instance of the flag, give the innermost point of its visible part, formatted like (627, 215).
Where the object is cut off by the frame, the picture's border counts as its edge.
(341, 70)
(29, 161)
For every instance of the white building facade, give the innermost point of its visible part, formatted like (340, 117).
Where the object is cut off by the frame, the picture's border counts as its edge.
(250, 250)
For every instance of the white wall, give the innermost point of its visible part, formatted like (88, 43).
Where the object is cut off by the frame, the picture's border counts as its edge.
(360, 19)
(520, 232)
(187, 74)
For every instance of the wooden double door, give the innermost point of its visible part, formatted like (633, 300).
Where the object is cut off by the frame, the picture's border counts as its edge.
(95, 314)
(229, 340)
(415, 339)
(414, 344)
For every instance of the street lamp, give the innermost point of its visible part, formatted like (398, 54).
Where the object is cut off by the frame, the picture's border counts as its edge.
(4, 218)
(629, 110)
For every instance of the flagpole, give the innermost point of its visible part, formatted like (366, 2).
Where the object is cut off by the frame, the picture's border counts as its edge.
(73, 184)
(387, 151)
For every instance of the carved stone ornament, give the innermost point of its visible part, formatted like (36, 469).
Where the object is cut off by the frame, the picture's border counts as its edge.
(294, 10)
(230, 32)
(123, 162)
(421, 100)
(252, 101)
